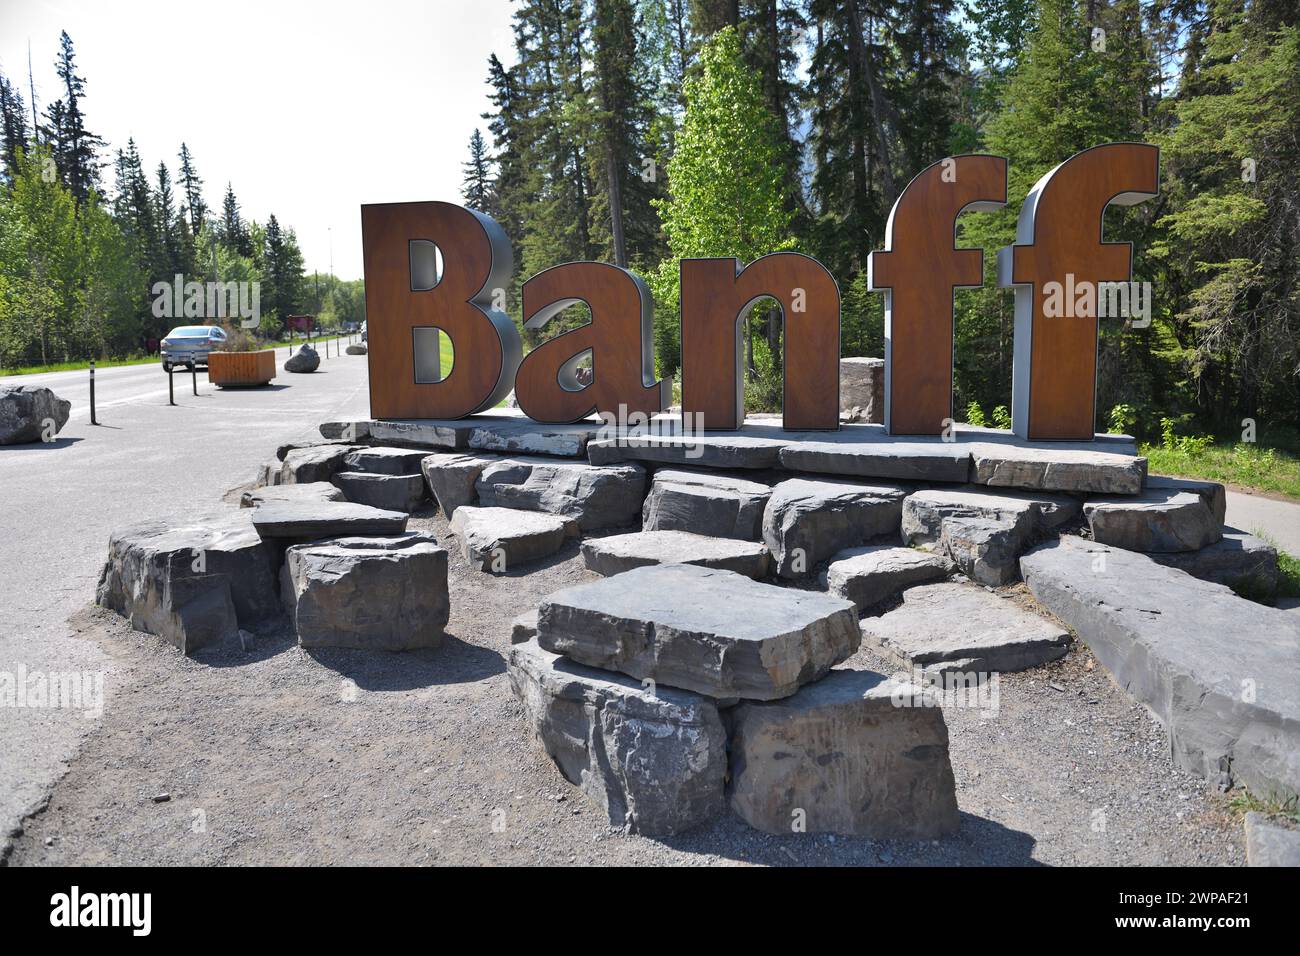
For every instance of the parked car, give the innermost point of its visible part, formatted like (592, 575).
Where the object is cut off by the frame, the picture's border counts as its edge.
(190, 345)
(364, 331)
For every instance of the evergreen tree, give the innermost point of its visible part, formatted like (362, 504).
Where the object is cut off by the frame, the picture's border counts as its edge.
(233, 231)
(476, 188)
(75, 149)
(192, 191)
(13, 127)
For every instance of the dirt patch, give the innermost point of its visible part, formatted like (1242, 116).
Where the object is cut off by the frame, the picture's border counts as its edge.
(279, 756)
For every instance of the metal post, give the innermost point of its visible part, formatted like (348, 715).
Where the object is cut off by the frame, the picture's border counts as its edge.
(93, 421)
(171, 391)
(194, 377)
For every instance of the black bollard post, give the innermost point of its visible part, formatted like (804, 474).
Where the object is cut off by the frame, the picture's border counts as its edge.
(93, 420)
(194, 377)
(171, 390)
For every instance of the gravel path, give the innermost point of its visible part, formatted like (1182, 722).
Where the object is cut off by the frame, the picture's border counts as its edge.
(276, 756)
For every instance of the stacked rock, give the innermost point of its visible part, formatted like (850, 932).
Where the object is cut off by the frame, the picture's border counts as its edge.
(669, 692)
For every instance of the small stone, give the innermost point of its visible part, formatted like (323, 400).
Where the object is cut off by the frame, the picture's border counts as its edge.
(500, 539)
(622, 552)
(867, 576)
(524, 627)
(161, 797)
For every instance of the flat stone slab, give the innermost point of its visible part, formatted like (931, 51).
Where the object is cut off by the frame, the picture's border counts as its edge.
(703, 502)
(841, 756)
(371, 593)
(1051, 469)
(1222, 673)
(501, 430)
(500, 539)
(193, 583)
(924, 511)
(315, 491)
(307, 521)
(419, 433)
(1243, 562)
(594, 496)
(351, 431)
(31, 413)
(307, 464)
(713, 632)
(1270, 844)
(524, 627)
(808, 520)
(385, 460)
(985, 550)
(900, 460)
(623, 552)
(867, 576)
(388, 492)
(451, 477)
(654, 760)
(725, 451)
(1212, 493)
(1158, 520)
(961, 627)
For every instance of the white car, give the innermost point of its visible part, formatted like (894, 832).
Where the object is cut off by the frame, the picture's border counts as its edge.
(190, 345)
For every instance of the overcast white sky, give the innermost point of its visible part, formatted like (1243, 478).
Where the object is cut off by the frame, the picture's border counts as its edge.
(309, 108)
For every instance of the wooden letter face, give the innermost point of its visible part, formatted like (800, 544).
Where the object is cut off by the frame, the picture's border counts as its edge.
(619, 337)
(407, 303)
(1057, 264)
(716, 293)
(918, 271)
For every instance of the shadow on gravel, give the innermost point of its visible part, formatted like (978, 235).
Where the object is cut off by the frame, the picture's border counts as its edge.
(455, 662)
(42, 445)
(978, 842)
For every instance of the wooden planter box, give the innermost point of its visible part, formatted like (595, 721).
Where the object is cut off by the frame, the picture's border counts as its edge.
(241, 368)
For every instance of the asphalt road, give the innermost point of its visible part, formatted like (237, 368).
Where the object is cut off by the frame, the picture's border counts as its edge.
(59, 502)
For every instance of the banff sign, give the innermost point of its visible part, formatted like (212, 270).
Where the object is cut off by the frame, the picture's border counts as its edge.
(1064, 275)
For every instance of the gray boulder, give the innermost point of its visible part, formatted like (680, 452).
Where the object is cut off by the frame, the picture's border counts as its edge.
(307, 464)
(1269, 843)
(193, 583)
(984, 550)
(390, 492)
(960, 627)
(383, 460)
(1242, 561)
(1212, 493)
(867, 576)
(595, 497)
(623, 552)
(306, 359)
(924, 511)
(1158, 520)
(1221, 672)
(500, 539)
(30, 413)
(841, 756)
(1053, 469)
(310, 521)
(355, 349)
(653, 759)
(706, 503)
(386, 594)
(451, 478)
(524, 627)
(316, 491)
(862, 389)
(809, 520)
(713, 632)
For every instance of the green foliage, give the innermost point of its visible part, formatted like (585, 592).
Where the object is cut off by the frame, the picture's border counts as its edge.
(1122, 418)
(1002, 417)
(975, 415)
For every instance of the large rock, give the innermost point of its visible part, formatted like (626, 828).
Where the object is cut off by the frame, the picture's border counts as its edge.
(383, 460)
(193, 583)
(30, 413)
(499, 539)
(883, 458)
(867, 576)
(1269, 843)
(375, 593)
(305, 465)
(1051, 469)
(282, 450)
(595, 497)
(705, 503)
(862, 389)
(389, 492)
(653, 759)
(1158, 520)
(961, 627)
(1243, 562)
(841, 756)
(623, 552)
(809, 520)
(924, 511)
(306, 359)
(315, 492)
(985, 550)
(1212, 493)
(723, 451)
(713, 632)
(1221, 672)
(356, 349)
(311, 521)
(451, 478)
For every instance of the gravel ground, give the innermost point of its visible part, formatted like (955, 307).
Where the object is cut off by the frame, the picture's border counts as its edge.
(273, 755)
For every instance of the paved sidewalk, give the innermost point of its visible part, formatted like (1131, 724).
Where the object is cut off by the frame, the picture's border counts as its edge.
(1279, 521)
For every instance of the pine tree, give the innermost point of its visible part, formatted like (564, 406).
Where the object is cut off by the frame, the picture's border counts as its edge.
(76, 149)
(477, 189)
(13, 127)
(192, 191)
(234, 233)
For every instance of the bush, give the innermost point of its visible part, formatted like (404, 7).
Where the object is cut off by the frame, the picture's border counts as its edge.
(975, 415)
